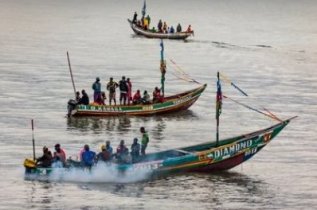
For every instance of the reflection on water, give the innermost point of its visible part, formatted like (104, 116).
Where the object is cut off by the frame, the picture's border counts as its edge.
(122, 124)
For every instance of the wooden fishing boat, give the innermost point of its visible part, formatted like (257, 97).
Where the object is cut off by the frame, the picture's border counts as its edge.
(170, 104)
(149, 34)
(207, 157)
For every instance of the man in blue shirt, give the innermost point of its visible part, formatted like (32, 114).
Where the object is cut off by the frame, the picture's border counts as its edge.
(88, 157)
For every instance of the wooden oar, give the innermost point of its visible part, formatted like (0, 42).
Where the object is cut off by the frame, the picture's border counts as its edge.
(71, 74)
(33, 141)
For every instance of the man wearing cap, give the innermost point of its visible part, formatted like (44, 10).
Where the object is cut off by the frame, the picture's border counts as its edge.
(97, 89)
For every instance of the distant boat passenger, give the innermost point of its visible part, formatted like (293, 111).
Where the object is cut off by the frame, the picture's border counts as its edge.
(135, 16)
(179, 28)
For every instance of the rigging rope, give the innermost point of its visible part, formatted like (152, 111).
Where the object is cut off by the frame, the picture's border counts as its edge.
(184, 76)
(254, 109)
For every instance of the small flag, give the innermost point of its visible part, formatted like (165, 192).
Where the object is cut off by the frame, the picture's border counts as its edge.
(218, 98)
(144, 9)
(162, 50)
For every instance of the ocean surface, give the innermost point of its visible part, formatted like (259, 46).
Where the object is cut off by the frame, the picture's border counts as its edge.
(266, 47)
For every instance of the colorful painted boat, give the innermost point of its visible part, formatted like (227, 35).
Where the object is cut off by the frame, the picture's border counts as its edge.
(207, 157)
(149, 34)
(170, 104)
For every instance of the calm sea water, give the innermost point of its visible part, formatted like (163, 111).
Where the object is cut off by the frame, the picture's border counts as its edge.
(268, 48)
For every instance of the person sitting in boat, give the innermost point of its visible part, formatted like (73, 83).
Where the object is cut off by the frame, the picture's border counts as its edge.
(104, 155)
(179, 28)
(137, 97)
(157, 98)
(135, 16)
(145, 140)
(46, 159)
(189, 29)
(138, 23)
(160, 26)
(135, 150)
(122, 153)
(123, 91)
(153, 30)
(77, 96)
(88, 157)
(146, 99)
(111, 87)
(84, 99)
(109, 149)
(96, 86)
(172, 30)
(59, 154)
(101, 99)
(129, 94)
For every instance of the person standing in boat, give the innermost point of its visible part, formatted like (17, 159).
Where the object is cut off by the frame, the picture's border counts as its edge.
(165, 27)
(111, 87)
(135, 16)
(135, 150)
(46, 159)
(129, 96)
(123, 91)
(179, 28)
(97, 89)
(122, 152)
(59, 154)
(159, 26)
(84, 99)
(148, 21)
(145, 140)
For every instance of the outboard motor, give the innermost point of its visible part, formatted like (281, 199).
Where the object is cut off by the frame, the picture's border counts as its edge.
(71, 105)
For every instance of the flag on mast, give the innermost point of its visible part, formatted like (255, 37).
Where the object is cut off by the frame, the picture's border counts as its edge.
(218, 98)
(144, 9)
(162, 67)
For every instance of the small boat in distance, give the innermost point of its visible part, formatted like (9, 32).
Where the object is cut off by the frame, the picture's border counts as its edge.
(142, 27)
(208, 157)
(158, 35)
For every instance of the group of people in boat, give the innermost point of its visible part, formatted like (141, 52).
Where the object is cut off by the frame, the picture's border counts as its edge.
(126, 98)
(88, 158)
(162, 27)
